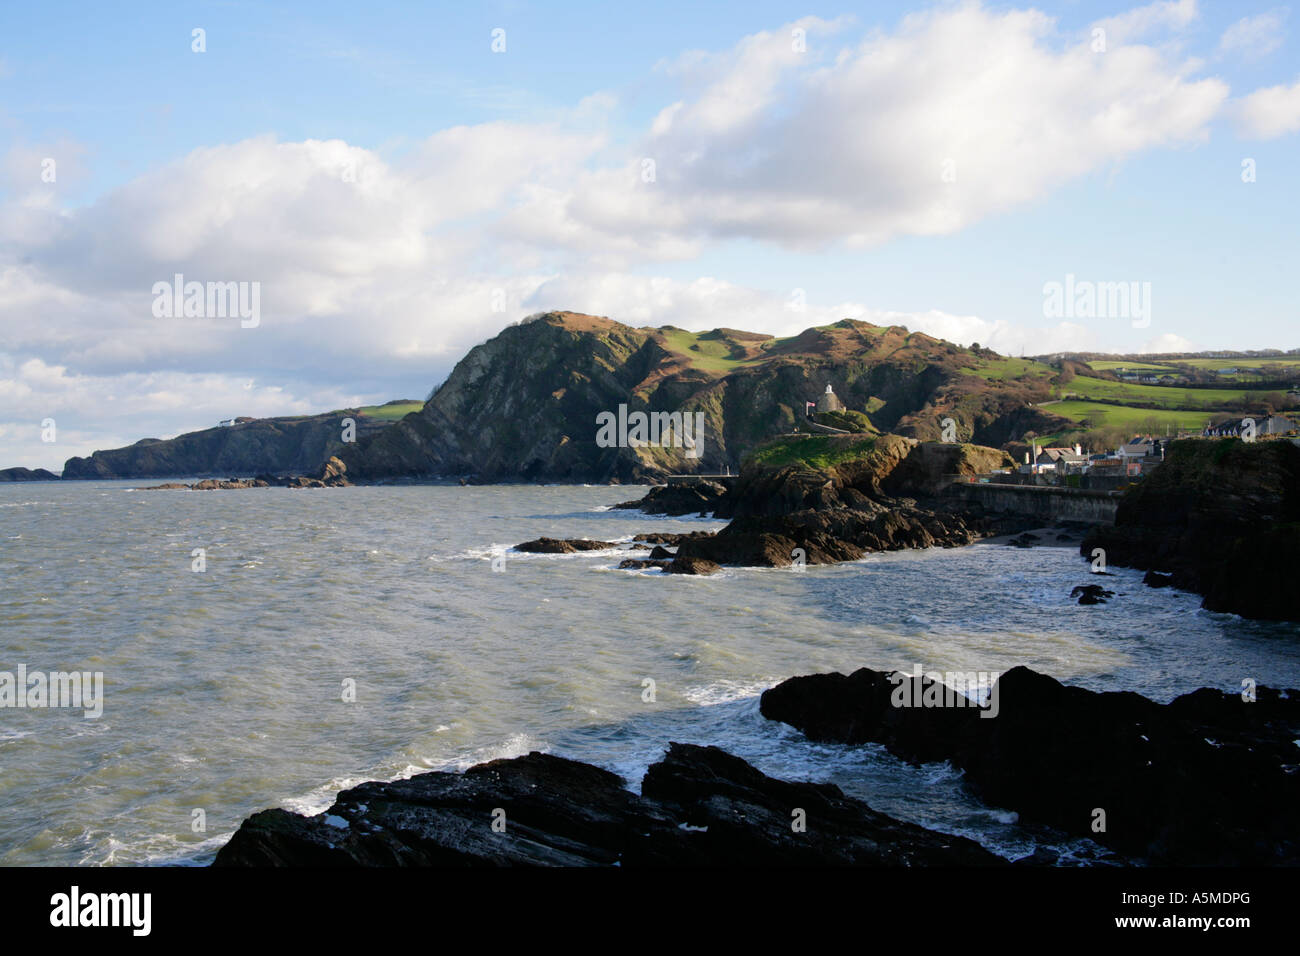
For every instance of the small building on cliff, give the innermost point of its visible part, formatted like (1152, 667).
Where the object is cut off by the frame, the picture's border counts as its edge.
(829, 402)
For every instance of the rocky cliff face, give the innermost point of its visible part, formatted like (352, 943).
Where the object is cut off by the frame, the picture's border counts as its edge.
(524, 405)
(277, 446)
(1223, 517)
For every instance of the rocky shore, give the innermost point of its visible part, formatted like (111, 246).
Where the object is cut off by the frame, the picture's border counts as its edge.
(333, 475)
(862, 495)
(698, 806)
(1208, 779)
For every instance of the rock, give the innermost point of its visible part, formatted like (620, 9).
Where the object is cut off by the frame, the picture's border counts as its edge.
(669, 538)
(689, 565)
(1209, 779)
(1091, 593)
(1042, 856)
(563, 545)
(660, 551)
(1222, 517)
(641, 564)
(698, 806)
(335, 473)
(210, 484)
(1154, 579)
(680, 498)
(828, 537)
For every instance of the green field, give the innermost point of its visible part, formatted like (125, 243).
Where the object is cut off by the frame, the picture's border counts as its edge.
(1162, 396)
(705, 352)
(1216, 363)
(1107, 366)
(1001, 369)
(815, 451)
(391, 413)
(1121, 416)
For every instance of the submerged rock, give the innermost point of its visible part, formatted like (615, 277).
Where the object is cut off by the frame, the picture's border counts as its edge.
(689, 565)
(1154, 579)
(698, 806)
(1209, 779)
(1091, 593)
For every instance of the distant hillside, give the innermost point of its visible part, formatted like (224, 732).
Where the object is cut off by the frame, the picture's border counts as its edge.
(282, 446)
(524, 405)
(1110, 397)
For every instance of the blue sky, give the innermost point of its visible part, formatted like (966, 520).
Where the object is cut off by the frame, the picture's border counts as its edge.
(484, 186)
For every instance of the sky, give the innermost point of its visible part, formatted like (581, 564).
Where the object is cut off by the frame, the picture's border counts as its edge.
(392, 183)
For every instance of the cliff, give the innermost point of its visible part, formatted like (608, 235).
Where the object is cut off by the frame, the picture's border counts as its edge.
(1223, 518)
(276, 446)
(27, 474)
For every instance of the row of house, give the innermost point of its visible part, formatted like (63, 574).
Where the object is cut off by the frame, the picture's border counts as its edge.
(1133, 458)
(1260, 426)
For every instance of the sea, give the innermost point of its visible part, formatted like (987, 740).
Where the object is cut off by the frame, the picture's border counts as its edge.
(271, 647)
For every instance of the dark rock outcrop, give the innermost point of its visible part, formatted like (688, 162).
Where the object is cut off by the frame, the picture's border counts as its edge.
(333, 475)
(1091, 593)
(643, 564)
(686, 564)
(563, 545)
(672, 539)
(1208, 779)
(698, 806)
(680, 498)
(1222, 518)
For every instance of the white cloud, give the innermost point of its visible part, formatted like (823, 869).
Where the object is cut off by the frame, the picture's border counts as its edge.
(1141, 22)
(1255, 37)
(853, 144)
(1270, 112)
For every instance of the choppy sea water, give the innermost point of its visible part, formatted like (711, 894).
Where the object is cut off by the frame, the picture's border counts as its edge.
(224, 689)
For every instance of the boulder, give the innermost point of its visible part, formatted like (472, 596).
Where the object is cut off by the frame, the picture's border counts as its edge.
(1209, 779)
(1091, 593)
(563, 545)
